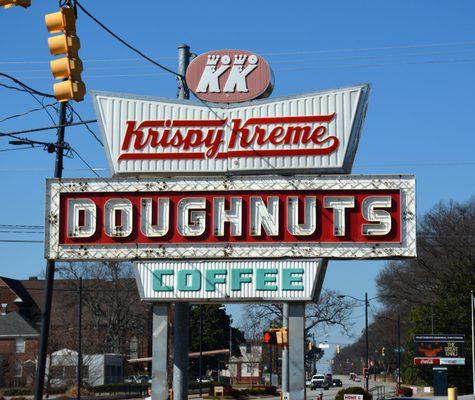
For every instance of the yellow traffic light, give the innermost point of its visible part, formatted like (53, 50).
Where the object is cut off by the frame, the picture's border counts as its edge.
(68, 68)
(13, 3)
(62, 21)
(282, 336)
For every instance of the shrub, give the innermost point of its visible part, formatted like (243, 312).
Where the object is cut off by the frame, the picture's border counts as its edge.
(228, 391)
(121, 388)
(57, 390)
(404, 391)
(72, 392)
(196, 385)
(18, 391)
(353, 390)
(262, 390)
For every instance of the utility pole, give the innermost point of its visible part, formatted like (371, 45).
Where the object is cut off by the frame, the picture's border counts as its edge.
(398, 350)
(473, 341)
(367, 341)
(79, 370)
(50, 269)
(182, 313)
(200, 367)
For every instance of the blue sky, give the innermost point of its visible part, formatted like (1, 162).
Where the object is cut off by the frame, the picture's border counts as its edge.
(418, 56)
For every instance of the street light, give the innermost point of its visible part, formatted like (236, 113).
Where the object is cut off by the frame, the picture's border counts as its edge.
(366, 301)
(223, 307)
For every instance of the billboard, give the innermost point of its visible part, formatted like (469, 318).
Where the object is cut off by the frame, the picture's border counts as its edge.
(439, 349)
(231, 217)
(228, 280)
(308, 133)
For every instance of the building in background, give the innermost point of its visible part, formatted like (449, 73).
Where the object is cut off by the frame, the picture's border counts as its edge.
(98, 369)
(248, 367)
(105, 302)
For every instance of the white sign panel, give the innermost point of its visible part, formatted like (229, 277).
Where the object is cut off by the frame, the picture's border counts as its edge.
(353, 397)
(316, 132)
(228, 280)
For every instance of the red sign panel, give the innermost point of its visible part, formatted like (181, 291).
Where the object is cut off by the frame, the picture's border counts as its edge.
(229, 76)
(312, 216)
(231, 217)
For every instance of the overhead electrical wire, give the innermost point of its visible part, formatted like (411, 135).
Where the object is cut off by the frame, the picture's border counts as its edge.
(85, 124)
(26, 87)
(140, 53)
(26, 112)
(85, 162)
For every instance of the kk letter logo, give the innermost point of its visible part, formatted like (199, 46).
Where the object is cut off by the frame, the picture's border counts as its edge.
(237, 79)
(210, 78)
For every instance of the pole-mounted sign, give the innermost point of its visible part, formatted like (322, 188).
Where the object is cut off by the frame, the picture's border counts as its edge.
(229, 76)
(228, 280)
(215, 217)
(309, 133)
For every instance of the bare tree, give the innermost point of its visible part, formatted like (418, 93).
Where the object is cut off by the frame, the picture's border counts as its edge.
(112, 310)
(330, 310)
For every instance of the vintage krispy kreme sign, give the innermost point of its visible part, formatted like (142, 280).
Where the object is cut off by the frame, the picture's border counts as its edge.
(338, 217)
(229, 76)
(315, 132)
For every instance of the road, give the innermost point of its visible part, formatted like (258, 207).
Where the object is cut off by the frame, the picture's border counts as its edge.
(331, 393)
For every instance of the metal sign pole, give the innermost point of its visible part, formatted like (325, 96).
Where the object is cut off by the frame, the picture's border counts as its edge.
(160, 352)
(285, 350)
(182, 317)
(297, 351)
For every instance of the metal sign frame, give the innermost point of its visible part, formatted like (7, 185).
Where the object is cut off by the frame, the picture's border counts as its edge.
(405, 184)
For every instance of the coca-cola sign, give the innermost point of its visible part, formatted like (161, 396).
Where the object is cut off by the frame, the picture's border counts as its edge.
(229, 76)
(324, 216)
(308, 133)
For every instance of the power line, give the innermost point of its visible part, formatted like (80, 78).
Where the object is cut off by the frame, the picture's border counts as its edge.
(20, 148)
(86, 163)
(85, 124)
(19, 241)
(271, 54)
(27, 112)
(125, 43)
(25, 86)
(292, 53)
(12, 134)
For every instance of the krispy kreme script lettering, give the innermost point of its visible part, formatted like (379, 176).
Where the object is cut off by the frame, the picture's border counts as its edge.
(254, 137)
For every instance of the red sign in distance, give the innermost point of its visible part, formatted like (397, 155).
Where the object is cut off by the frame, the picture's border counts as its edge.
(229, 76)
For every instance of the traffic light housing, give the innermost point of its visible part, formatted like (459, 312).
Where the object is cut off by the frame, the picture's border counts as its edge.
(337, 349)
(69, 67)
(269, 337)
(13, 3)
(383, 351)
(278, 336)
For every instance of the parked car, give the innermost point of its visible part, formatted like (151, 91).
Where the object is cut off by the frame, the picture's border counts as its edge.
(139, 379)
(337, 382)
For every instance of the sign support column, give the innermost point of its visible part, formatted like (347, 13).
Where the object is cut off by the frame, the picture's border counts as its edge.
(181, 323)
(297, 351)
(285, 350)
(160, 352)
